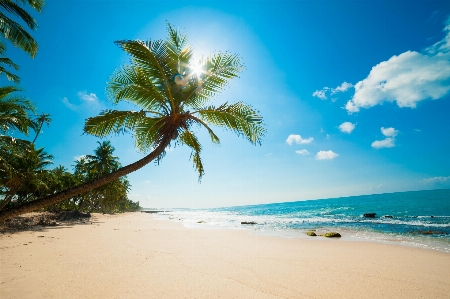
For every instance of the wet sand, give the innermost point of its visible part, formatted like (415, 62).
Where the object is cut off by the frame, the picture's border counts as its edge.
(137, 256)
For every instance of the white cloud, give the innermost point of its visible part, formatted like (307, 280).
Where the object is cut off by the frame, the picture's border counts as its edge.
(389, 132)
(438, 179)
(321, 94)
(326, 155)
(302, 152)
(342, 88)
(68, 104)
(298, 139)
(347, 127)
(388, 142)
(406, 79)
(89, 98)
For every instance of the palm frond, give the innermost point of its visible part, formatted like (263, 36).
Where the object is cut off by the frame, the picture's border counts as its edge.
(130, 85)
(191, 141)
(239, 118)
(15, 9)
(148, 133)
(8, 62)
(151, 59)
(10, 76)
(36, 4)
(17, 35)
(218, 70)
(113, 122)
(212, 135)
(178, 48)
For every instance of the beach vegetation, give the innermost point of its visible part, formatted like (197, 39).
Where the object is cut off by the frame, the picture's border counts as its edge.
(26, 177)
(172, 91)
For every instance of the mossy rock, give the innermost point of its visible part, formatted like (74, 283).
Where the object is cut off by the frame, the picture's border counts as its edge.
(311, 234)
(201, 221)
(332, 235)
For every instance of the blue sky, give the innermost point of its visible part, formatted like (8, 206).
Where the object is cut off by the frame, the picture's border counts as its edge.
(355, 94)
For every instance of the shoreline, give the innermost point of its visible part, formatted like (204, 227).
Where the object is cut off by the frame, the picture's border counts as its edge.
(348, 234)
(136, 255)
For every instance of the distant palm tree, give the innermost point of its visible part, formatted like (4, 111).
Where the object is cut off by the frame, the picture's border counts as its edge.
(172, 91)
(39, 122)
(13, 31)
(103, 162)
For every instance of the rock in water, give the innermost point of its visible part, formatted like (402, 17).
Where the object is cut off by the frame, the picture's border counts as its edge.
(248, 222)
(370, 215)
(332, 235)
(311, 233)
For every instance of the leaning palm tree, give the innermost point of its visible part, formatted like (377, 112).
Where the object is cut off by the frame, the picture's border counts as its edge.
(173, 92)
(13, 31)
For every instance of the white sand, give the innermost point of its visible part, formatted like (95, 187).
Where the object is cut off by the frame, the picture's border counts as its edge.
(136, 256)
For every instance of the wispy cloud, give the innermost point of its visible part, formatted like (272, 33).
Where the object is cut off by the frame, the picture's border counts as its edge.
(86, 101)
(302, 152)
(89, 98)
(322, 93)
(438, 179)
(298, 139)
(68, 104)
(341, 88)
(326, 155)
(347, 127)
(389, 141)
(406, 79)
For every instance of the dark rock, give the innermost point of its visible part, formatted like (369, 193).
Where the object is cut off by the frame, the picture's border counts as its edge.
(370, 215)
(388, 216)
(248, 222)
(332, 235)
(311, 233)
(431, 232)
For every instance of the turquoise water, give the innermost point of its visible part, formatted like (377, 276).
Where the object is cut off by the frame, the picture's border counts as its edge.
(413, 214)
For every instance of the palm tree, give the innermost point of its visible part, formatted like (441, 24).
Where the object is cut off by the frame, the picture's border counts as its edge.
(13, 31)
(26, 175)
(39, 122)
(172, 91)
(14, 111)
(103, 162)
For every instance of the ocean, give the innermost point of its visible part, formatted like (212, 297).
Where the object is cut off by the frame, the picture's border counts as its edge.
(416, 218)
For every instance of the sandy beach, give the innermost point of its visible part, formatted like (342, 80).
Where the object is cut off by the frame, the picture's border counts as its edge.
(137, 256)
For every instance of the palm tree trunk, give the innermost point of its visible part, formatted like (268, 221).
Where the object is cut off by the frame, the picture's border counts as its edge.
(71, 192)
(37, 133)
